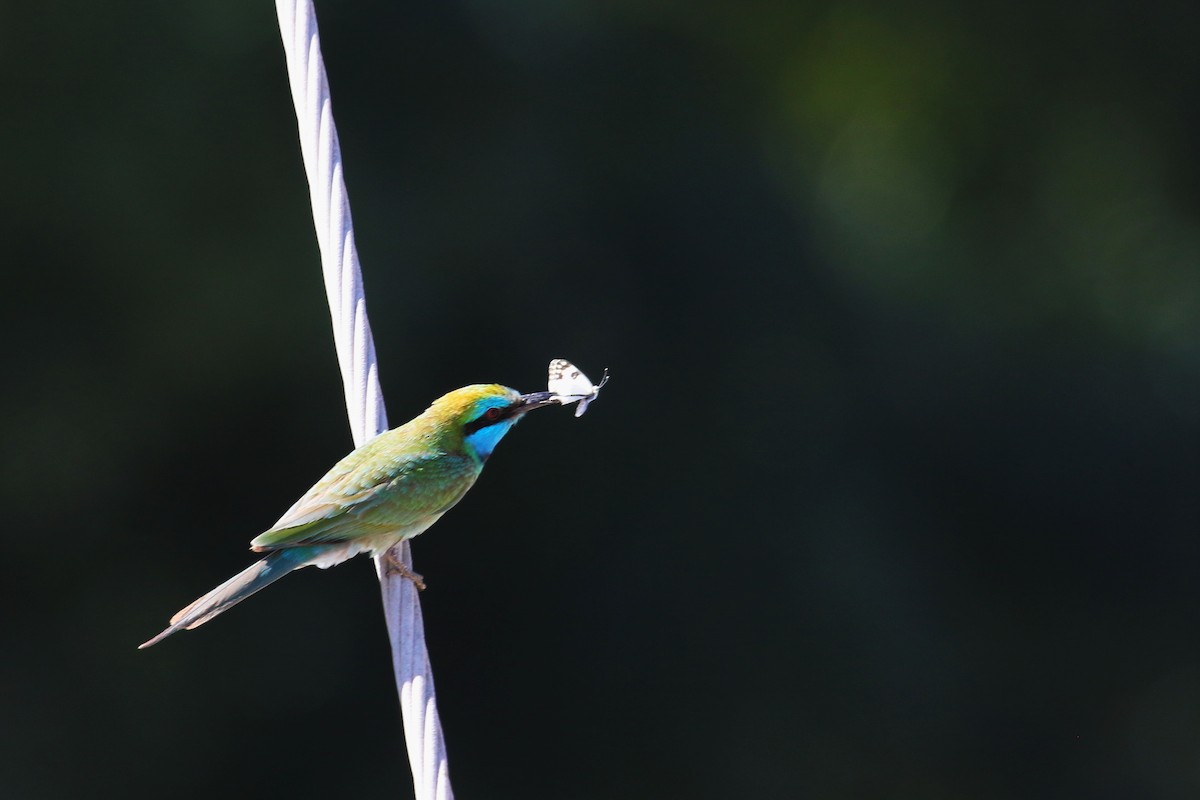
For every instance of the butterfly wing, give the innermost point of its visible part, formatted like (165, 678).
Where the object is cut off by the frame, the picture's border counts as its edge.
(568, 383)
(567, 380)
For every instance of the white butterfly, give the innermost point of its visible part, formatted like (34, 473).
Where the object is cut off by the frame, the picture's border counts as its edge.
(568, 384)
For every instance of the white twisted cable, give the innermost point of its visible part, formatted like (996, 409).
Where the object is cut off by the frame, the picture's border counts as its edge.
(360, 378)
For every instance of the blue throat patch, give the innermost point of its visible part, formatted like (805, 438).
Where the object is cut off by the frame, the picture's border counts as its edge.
(484, 440)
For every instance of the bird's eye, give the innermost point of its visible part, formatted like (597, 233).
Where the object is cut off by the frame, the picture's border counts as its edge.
(492, 414)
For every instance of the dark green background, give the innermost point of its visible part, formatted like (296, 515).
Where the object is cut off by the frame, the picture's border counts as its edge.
(893, 493)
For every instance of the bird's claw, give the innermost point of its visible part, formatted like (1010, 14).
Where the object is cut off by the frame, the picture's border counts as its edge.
(400, 568)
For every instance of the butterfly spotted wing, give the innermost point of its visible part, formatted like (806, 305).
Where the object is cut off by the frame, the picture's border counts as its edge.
(570, 385)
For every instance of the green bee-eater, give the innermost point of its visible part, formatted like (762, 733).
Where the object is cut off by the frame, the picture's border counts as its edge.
(392, 488)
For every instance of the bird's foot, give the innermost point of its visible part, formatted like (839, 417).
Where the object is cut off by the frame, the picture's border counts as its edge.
(400, 568)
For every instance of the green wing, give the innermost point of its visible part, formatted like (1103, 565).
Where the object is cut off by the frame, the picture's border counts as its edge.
(372, 491)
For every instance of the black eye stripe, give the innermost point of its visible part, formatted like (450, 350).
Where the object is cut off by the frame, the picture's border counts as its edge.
(482, 421)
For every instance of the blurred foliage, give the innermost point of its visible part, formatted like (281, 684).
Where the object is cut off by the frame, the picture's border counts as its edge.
(893, 493)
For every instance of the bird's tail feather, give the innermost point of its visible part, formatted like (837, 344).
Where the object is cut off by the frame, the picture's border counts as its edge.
(235, 590)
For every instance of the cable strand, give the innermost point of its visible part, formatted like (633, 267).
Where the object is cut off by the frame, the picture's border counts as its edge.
(360, 378)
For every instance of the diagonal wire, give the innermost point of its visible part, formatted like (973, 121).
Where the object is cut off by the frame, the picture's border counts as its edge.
(360, 378)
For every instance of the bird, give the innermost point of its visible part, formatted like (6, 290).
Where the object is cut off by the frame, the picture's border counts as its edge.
(392, 488)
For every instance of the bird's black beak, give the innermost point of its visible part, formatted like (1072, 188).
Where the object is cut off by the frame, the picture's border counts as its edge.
(534, 400)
